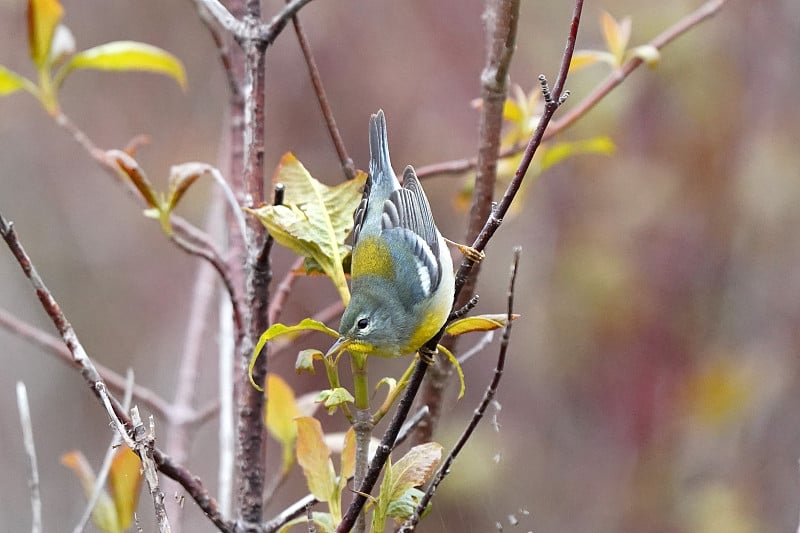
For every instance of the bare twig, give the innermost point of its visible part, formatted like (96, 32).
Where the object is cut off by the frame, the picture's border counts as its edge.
(105, 468)
(614, 79)
(172, 469)
(347, 163)
(30, 452)
(227, 440)
(225, 58)
(55, 346)
(486, 234)
(488, 395)
(223, 17)
(270, 32)
(283, 290)
(144, 443)
(501, 18)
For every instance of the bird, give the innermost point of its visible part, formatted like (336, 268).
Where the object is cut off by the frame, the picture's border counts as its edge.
(402, 282)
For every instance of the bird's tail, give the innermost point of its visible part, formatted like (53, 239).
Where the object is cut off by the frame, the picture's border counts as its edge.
(380, 166)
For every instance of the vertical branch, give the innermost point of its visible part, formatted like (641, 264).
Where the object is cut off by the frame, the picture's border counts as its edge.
(501, 17)
(30, 451)
(251, 431)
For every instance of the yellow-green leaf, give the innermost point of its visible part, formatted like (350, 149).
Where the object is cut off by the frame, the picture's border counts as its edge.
(104, 514)
(647, 53)
(11, 82)
(125, 479)
(616, 34)
(314, 458)
(478, 323)
(276, 330)
(585, 58)
(403, 507)
(452, 358)
(126, 56)
(280, 414)
(333, 398)
(314, 219)
(559, 152)
(43, 17)
(305, 360)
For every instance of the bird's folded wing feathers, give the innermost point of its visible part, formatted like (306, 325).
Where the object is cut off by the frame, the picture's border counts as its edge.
(408, 213)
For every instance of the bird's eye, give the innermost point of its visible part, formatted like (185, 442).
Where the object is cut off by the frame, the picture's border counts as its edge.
(363, 323)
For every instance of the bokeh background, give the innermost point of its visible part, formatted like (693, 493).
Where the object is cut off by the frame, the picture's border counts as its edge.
(653, 377)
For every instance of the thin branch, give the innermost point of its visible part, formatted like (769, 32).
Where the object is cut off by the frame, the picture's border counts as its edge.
(225, 405)
(55, 346)
(30, 452)
(222, 48)
(223, 17)
(144, 443)
(501, 19)
(488, 395)
(347, 163)
(89, 372)
(298, 508)
(486, 234)
(614, 79)
(283, 290)
(105, 468)
(270, 32)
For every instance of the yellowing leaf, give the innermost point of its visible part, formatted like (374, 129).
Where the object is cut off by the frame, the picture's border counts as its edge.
(126, 56)
(305, 360)
(314, 458)
(280, 414)
(11, 82)
(616, 34)
(719, 393)
(348, 457)
(415, 468)
(459, 370)
(314, 219)
(276, 330)
(333, 398)
(125, 479)
(478, 323)
(43, 17)
(104, 514)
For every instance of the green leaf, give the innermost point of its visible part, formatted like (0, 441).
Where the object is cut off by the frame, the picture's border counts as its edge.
(276, 330)
(314, 458)
(333, 398)
(415, 468)
(558, 152)
(127, 56)
(125, 479)
(478, 323)
(11, 82)
(43, 17)
(314, 219)
(279, 416)
(403, 507)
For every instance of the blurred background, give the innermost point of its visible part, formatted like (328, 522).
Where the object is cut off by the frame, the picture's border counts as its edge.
(652, 383)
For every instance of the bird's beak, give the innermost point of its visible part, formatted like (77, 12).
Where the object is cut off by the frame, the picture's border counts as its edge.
(339, 345)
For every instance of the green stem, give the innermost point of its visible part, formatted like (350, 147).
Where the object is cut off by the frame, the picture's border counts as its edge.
(362, 427)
